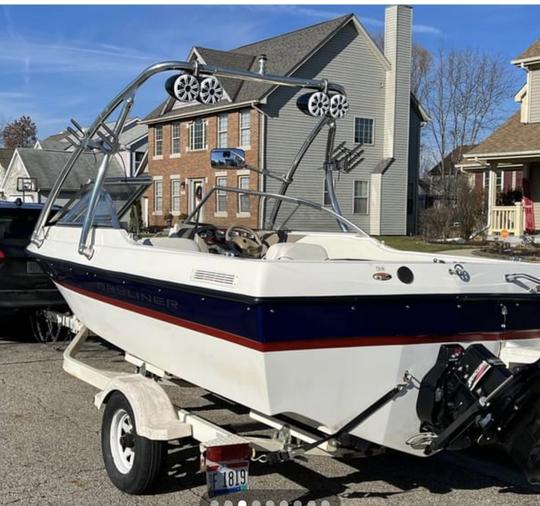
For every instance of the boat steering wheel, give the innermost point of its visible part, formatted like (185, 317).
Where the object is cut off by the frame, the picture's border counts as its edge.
(252, 244)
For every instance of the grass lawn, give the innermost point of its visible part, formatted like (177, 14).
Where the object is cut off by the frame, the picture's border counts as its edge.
(404, 242)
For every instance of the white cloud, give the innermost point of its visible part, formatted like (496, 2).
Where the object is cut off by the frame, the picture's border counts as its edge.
(34, 56)
(427, 29)
(324, 14)
(10, 95)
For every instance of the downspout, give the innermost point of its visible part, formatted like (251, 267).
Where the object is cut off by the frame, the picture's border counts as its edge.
(262, 163)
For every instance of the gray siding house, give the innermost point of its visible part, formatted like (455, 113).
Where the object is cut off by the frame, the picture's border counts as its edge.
(133, 142)
(5, 159)
(40, 168)
(380, 194)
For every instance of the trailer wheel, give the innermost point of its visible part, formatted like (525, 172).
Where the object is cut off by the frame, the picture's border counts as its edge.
(132, 462)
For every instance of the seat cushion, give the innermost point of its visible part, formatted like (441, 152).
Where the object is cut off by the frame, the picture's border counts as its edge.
(296, 251)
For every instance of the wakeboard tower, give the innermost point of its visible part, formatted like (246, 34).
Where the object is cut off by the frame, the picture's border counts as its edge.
(328, 330)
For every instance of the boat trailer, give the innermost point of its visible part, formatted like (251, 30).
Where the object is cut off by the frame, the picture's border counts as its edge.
(469, 397)
(149, 416)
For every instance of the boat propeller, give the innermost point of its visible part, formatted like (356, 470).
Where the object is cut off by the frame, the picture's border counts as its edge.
(320, 104)
(186, 87)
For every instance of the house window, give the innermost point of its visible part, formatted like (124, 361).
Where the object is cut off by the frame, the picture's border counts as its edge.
(158, 141)
(361, 197)
(175, 195)
(221, 196)
(500, 180)
(243, 199)
(175, 139)
(363, 131)
(223, 123)
(245, 128)
(158, 196)
(139, 155)
(197, 135)
(326, 195)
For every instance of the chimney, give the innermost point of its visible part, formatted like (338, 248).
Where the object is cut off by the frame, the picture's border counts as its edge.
(389, 188)
(397, 49)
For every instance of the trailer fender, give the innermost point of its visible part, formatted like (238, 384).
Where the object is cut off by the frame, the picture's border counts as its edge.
(155, 416)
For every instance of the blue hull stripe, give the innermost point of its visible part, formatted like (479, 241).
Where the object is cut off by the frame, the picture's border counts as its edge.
(292, 323)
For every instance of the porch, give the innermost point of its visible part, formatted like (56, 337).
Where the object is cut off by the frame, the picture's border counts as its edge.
(507, 220)
(513, 203)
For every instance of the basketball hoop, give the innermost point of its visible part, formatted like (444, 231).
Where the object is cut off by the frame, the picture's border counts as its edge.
(26, 184)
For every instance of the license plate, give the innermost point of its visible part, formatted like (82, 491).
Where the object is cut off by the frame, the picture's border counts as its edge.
(33, 268)
(227, 479)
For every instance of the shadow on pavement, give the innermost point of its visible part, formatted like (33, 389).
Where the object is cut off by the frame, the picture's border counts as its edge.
(404, 473)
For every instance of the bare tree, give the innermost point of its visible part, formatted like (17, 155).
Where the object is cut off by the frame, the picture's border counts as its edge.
(463, 91)
(20, 133)
(421, 65)
(420, 62)
(2, 126)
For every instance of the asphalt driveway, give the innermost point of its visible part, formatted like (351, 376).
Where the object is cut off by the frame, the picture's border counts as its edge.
(50, 451)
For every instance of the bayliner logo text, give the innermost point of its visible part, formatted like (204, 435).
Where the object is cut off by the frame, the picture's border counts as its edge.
(136, 295)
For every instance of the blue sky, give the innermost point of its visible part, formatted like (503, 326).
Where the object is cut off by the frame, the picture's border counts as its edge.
(59, 62)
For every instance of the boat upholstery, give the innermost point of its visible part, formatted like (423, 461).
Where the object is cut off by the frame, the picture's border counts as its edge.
(296, 251)
(176, 243)
(352, 247)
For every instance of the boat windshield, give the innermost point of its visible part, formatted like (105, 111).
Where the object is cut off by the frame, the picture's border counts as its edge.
(225, 206)
(116, 197)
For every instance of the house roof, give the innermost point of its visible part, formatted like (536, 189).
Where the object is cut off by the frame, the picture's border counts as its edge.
(133, 131)
(5, 156)
(228, 59)
(512, 137)
(56, 145)
(45, 165)
(284, 54)
(451, 159)
(531, 52)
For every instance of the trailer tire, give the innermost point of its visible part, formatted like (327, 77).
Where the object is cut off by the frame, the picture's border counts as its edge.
(132, 462)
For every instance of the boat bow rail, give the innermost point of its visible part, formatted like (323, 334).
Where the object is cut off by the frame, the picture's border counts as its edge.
(519, 278)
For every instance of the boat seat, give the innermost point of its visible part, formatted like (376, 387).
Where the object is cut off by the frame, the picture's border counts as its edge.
(176, 243)
(296, 251)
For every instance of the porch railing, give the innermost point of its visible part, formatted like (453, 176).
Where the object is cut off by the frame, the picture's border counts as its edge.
(509, 218)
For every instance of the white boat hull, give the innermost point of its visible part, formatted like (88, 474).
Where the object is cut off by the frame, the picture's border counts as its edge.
(329, 379)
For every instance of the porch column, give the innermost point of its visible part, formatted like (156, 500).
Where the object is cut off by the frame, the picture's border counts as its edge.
(518, 223)
(492, 194)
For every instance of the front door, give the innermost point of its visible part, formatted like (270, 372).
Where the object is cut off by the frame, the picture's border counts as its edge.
(196, 194)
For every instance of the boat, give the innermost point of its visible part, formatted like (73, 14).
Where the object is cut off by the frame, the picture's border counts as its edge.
(332, 329)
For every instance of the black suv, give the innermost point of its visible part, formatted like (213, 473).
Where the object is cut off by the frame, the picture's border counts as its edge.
(24, 287)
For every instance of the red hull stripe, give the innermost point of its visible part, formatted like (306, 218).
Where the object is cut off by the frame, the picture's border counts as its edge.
(342, 342)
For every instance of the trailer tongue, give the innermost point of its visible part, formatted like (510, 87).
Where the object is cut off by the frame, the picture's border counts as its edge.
(470, 396)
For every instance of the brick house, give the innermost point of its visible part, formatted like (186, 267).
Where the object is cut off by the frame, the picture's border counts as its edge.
(380, 195)
(180, 165)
